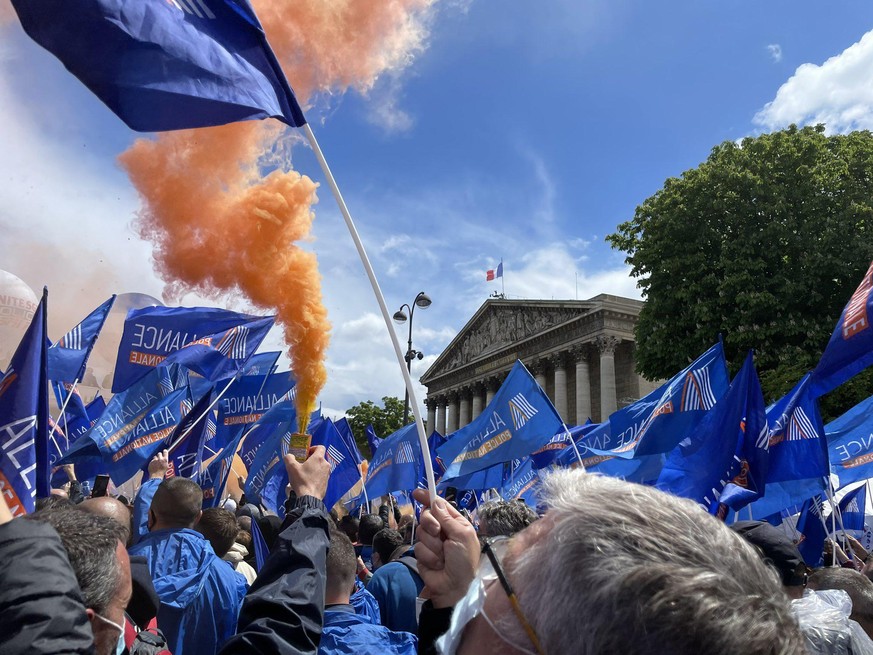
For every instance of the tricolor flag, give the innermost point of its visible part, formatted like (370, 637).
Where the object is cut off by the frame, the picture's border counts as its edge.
(494, 273)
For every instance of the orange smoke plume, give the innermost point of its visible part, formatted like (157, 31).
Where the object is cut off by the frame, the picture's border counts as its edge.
(218, 226)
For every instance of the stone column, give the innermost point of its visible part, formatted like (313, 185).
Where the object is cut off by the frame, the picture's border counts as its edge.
(452, 413)
(478, 393)
(560, 364)
(608, 403)
(441, 415)
(538, 368)
(583, 384)
(431, 414)
(464, 412)
(492, 384)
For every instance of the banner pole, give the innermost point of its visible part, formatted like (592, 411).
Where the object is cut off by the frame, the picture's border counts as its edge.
(199, 418)
(413, 402)
(63, 415)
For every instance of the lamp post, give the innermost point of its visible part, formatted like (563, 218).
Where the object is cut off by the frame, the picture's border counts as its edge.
(421, 300)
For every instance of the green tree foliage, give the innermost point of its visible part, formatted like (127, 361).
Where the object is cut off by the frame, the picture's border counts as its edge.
(385, 419)
(762, 243)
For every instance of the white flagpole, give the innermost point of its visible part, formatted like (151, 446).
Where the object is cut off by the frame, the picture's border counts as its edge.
(63, 414)
(199, 418)
(413, 402)
(575, 448)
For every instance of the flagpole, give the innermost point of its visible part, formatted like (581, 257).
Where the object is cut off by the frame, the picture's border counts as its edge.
(502, 279)
(575, 449)
(199, 418)
(416, 412)
(62, 413)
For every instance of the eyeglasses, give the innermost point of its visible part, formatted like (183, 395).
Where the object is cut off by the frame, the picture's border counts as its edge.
(494, 548)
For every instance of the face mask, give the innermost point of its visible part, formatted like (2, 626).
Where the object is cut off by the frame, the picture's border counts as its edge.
(465, 611)
(120, 645)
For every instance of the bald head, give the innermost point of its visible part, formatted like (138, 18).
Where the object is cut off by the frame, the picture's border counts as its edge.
(111, 509)
(176, 504)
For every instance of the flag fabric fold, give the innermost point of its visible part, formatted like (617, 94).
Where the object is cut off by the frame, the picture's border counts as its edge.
(67, 358)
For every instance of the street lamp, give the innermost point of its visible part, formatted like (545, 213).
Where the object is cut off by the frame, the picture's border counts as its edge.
(421, 300)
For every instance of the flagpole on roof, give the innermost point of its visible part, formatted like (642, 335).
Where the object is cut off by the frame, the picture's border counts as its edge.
(413, 402)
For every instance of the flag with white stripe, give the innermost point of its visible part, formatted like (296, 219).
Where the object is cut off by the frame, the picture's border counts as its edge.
(67, 357)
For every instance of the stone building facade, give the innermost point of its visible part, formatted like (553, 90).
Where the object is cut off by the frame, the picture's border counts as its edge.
(580, 351)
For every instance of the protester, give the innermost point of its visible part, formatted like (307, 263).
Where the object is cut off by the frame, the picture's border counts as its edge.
(220, 528)
(612, 567)
(504, 518)
(857, 585)
(779, 552)
(395, 583)
(200, 594)
(97, 556)
(369, 525)
(344, 632)
(238, 553)
(349, 525)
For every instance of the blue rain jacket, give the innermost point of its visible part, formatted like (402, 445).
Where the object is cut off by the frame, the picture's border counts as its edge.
(346, 633)
(395, 587)
(365, 603)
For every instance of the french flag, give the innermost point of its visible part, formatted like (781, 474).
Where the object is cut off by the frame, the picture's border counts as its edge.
(494, 272)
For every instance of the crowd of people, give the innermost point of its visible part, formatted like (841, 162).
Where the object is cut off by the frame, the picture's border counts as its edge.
(608, 567)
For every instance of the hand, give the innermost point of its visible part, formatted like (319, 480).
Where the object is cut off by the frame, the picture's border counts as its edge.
(447, 551)
(241, 481)
(310, 477)
(70, 470)
(361, 566)
(859, 550)
(159, 465)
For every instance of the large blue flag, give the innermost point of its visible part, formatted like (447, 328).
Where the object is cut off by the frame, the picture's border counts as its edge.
(24, 442)
(348, 436)
(490, 478)
(186, 442)
(267, 456)
(86, 468)
(853, 508)
(723, 464)
(519, 420)
(810, 526)
(152, 333)
(850, 349)
(248, 399)
(561, 445)
(396, 466)
(372, 440)
(261, 364)
(67, 357)
(166, 65)
(798, 452)
(850, 443)
(663, 418)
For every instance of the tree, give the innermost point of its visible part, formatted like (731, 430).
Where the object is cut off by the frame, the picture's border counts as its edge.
(385, 419)
(763, 243)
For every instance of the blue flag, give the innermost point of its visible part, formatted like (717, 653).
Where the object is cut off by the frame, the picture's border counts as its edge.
(853, 508)
(663, 418)
(560, 449)
(248, 399)
(152, 333)
(723, 464)
(396, 466)
(490, 478)
(798, 451)
(214, 476)
(372, 441)
(24, 442)
(186, 442)
(67, 357)
(86, 469)
(812, 532)
(348, 436)
(344, 473)
(850, 349)
(519, 420)
(260, 546)
(166, 65)
(261, 364)
(850, 443)
(267, 455)
(522, 483)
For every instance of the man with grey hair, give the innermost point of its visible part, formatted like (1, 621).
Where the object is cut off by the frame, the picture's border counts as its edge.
(612, 567)
(502, 518)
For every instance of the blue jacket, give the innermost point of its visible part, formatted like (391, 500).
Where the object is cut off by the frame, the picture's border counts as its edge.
(346, 633)
(365, 604)
(395, 587)
(200, 594)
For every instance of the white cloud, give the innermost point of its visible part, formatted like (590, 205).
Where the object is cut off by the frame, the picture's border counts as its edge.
(775, 51)
(838, 93)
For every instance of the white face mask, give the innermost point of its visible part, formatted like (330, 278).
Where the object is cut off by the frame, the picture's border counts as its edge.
(467, 609)
(120, 645)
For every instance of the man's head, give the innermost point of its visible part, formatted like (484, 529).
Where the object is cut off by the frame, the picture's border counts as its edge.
(857, 585)
(370, 524)
(651, 573)
(100, 562)
(111, 509)
(349, 526)
(341, 567)
(504, 518)
(778, 551)
(384, 544)
(176, 504)
(219, 526)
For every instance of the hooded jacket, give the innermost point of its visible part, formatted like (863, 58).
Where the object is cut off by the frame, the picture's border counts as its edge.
(346, 633)
(236, 556)
(200, 594)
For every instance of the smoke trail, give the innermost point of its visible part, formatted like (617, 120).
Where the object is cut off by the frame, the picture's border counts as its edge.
(218, 225)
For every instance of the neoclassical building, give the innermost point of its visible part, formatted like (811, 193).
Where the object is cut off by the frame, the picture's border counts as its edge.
(581, 352)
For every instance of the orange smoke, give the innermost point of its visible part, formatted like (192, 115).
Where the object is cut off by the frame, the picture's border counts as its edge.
(218, 225)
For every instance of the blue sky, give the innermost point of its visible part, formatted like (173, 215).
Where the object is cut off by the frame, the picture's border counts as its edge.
(520, 131)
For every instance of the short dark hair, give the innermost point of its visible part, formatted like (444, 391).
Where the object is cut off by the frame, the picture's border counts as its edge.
(502, 518)
(53, 502)
(349, 526)
(177, 502)
(386, 542)
(369, 525)
(91, 542)
(341, 563)
(219, 526)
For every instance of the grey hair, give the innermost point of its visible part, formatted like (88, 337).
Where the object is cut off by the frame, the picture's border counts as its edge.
(91, 542)
(501, 518)
(615, 567)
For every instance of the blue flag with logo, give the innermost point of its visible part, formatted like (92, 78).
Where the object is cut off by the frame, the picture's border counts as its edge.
(186, 442)
(560, 449)
(372, 440)
(812, 532)
(850, 443)
(166, 65)
(397, 464)
(282, 413)
(24, 442)
(86, 468)
(248, 399)
(798, 451)
(850, 349)
(519, 420)
(266, 456)
(723, 464)
(152, 333)
(214, 476)
(261, 364)
(490, 478)
(348, 436)
(344, 473)
(522, 483)
(663, 418)
(853, 508)
(67, 357)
